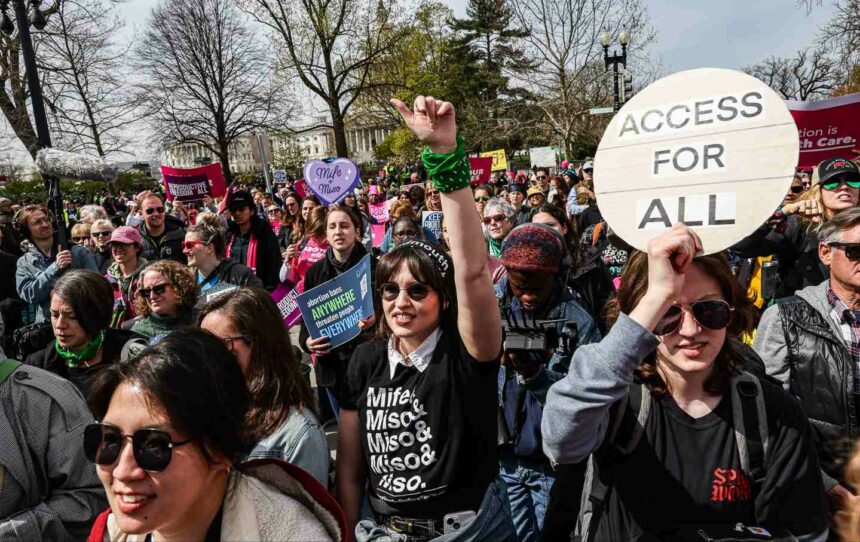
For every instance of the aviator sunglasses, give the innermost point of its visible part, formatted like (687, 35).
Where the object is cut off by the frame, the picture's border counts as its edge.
(416, 291)
(712, 314)
(152, 448)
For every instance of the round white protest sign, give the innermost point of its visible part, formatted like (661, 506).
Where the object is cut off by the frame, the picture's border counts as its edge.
(713, 148)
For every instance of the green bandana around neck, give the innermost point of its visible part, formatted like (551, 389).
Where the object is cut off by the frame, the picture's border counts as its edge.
(72, 359)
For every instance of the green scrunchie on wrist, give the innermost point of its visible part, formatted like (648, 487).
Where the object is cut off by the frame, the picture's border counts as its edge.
(449, 172)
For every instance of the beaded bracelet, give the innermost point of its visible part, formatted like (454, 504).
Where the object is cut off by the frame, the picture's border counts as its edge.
(449, 172)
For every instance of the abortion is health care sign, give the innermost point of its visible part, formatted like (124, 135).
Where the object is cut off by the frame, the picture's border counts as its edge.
(334, 308)
(712, 148)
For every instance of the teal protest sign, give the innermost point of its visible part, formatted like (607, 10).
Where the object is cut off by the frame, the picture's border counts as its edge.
(334, 308)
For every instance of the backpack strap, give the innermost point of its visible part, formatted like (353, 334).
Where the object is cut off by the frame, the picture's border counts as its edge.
(7, 367)
(625, 433)
(751, 431)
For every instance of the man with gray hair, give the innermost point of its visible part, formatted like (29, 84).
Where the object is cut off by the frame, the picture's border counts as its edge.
(499, 220)
(811, 343)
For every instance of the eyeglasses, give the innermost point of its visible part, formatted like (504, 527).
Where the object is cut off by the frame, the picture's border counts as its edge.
(273, 211)
(402, 234)
(712, 314)
(190, 245)
(852, 250)
(155, 290)
(835, 183)
(228, 341)
(100, 233)
(151, 210)
(482, 198)
(795, 189)
(152, 448)
(120, 246)
(541, 177)
(79, 239)
(498, 218)
(416, 291)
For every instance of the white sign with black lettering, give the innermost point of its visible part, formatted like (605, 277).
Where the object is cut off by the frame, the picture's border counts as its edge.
(713, 148)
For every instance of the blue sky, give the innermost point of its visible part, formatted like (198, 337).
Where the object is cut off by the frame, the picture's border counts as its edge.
(690, 33)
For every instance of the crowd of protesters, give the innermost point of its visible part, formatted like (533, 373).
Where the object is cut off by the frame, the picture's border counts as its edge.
(526, 375)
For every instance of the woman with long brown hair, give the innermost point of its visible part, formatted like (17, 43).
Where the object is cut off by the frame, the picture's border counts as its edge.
(681, 439)
(281, 419)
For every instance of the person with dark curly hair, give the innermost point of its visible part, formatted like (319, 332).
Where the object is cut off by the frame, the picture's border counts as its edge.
(165, 299)
(681, 438)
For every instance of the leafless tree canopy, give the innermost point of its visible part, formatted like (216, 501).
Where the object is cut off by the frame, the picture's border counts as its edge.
(330, 45)
(564, 36)
(812, 74)
(83, 78)
(208, 79)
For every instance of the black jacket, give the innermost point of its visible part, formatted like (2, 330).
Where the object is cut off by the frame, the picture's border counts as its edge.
(49, 360)
(331, 368)
(170, 247)
(268, 250)
(231, 272)
(593, 285)
(103, 260)
(796, 251)
(821, 376)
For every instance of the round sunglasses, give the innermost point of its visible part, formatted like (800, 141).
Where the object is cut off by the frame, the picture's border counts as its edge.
(152, 448)
(416, 291)
(711, 314)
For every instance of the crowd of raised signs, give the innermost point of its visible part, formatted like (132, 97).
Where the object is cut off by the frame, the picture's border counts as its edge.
(525, 374)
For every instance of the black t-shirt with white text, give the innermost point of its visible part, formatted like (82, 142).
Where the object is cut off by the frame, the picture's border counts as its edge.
(687, 471)
(429, 438)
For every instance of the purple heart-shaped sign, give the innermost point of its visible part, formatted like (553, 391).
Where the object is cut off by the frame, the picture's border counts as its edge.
(332, 181)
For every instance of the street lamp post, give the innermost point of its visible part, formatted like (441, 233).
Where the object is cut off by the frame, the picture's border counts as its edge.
(614, 60)
(37, 19)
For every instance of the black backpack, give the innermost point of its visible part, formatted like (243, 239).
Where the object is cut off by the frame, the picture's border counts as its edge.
(626, 428)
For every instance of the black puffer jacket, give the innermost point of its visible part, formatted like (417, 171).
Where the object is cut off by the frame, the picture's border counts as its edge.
(170, 245)
(796, 250)
(803, 347)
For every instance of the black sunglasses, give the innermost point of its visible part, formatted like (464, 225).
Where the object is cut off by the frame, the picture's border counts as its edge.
(100, 233)
(152, 448)
(796, 189)
(79, 239)
(852, 250)
(158, 210)
(712, 314)
(157, 290)
(416, 291)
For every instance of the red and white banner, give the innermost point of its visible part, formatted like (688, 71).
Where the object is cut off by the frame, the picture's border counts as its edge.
(827, 129)
(481, 168)
(194, 183)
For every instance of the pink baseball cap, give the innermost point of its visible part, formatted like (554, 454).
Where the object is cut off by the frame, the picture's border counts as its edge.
(125, 235)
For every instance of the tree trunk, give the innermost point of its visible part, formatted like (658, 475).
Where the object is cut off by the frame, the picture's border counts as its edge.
(224, 158)
(339, 131)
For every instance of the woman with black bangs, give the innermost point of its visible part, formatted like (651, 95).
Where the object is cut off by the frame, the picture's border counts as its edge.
(167, 447)
(418, 418)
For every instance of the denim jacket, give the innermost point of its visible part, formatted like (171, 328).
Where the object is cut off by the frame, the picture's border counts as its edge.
(301, 441)
(37, 273)
(564, 306)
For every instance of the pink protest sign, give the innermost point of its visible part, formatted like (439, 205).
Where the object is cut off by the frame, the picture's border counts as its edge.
(285, 296)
